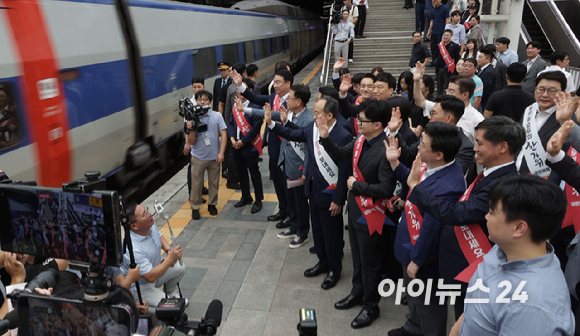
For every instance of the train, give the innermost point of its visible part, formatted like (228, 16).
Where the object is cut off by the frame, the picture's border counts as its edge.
(94, 85)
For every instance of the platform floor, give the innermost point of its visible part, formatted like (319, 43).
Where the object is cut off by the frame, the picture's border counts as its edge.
(236, 257)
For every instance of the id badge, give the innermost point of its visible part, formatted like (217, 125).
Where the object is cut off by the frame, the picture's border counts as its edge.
(207, 142)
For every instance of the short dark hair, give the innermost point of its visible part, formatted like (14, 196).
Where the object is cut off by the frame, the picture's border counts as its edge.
(472, 60)
(444, 138)
(375, 111)
(331, 105)
(386, 77)
(465, 83)
(345, 10)
(490, 47)
(487, 53)
(281, 65)
(343, 71)
(429, 83)
(357, 78)
(540, 203)
(415, 32)
(448, 31)
(251, 69)
(503, 40)
(287, 75)
(476, 17)
(455, 12)
(451, 105)
(503, 129)
(130, 212)
(249, 83)
(558, 55)
(403, 104)
(240, 68)
(534, 44)
(369, 75)
(516, 72)
(328, 91)
(302, 92)
(197, 80)
(377, 68)
(204, 93)
(557, 76)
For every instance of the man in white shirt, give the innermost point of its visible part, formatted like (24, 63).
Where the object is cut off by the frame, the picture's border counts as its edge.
(363, 11)
(343, 36)
(352, 18)
(560, 60)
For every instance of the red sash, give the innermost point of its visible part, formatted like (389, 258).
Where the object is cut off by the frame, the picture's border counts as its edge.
(357, 102)
(373, 213)
(276, 107)
(472, 240)
(446, 57)
(245, 127)
(466, 25)
(573, 209)
(414, 218)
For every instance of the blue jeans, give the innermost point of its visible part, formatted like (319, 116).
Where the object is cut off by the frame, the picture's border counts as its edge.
(420, 16)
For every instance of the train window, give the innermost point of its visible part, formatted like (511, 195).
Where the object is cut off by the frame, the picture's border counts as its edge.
(230, 53)
(249, 52)
(262, 48)
(10, 128)
(204, 62)
(273, 46)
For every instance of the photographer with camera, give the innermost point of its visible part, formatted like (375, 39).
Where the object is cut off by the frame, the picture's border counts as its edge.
(197, 84)
(343, 35)
(147, 244)
(207, 152)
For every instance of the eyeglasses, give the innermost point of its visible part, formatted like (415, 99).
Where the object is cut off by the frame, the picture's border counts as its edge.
(146, 213)
(203, 99)
(358, 120)
(551, 91)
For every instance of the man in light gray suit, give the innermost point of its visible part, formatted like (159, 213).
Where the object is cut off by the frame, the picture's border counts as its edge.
(535, 64)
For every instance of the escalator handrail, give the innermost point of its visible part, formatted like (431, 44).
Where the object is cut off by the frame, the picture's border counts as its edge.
(327, 46)
(565, 26)
(539, 24)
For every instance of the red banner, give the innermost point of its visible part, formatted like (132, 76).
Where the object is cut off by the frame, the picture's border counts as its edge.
(573, 209)
(245, 127)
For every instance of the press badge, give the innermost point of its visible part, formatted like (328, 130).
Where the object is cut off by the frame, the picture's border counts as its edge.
(207, 142)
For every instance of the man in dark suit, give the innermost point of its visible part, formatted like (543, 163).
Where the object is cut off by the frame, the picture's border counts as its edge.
(564, 165)
(370, 191)
(445, 62)
(498, 140)
(282, 83)
(325, 186)
(487, 75)
(247, 147)
(500, 68)
(219, 83)
(417, 240)
(535, 63)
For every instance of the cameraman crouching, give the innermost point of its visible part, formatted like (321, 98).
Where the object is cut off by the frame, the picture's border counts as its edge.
(207, 152)
(147, 244)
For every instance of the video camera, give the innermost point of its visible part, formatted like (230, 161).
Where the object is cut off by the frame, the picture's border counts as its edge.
(191, 112)
(336, 17)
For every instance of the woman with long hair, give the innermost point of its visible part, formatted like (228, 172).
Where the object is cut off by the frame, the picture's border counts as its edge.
(470, 49)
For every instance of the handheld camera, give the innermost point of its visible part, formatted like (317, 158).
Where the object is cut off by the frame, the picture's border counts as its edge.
(191, 112)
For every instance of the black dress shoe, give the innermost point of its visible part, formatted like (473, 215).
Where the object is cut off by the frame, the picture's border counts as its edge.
(212, 210)
(225, 174)
(312, 250)
(234, 186)
(257, 207)
(243, 202)
(284, 223)
(195, 214)
(365, 318)
(276, 217)
(331, 280)
(204, 191)
(315, 271)
(348, 302)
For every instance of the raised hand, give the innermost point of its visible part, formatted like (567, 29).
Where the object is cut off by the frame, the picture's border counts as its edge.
(557, 140)
(346, 84)
(396, 122)
(564, 107)
(322, 126)
(415, 174)
(338, 65)
(393, 152)
(239, 104)
(267, 114)
(419, 69)
(236, 77)
(283, 114)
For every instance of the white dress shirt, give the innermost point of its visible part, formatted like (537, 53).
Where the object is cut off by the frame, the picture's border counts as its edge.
(487, 171)
(432, 171)
(470, 119)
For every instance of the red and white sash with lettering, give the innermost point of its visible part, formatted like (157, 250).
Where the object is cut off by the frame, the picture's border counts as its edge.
(373, 213)
(245, 127)
(446, 57)
(472, 240)
(357, 102)
(573, 197)
(413, 215)
(533, 150)
(327, 168)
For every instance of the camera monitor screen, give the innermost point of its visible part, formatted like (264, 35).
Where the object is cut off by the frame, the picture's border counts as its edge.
(52, 223)
(54, 316)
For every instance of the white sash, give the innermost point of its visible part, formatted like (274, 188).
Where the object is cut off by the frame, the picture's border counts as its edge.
(326, 165)
(533, 150)
(297, 146)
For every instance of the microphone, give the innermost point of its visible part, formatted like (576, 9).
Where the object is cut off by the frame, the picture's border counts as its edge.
(9, 322)
(213, 317)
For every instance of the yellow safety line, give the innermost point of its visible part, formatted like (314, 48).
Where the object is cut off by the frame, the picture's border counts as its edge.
(312, 73)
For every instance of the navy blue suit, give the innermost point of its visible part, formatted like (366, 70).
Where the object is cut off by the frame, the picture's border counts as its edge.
(472, 211)
(273, 142)
(247, 156)
(327, 230)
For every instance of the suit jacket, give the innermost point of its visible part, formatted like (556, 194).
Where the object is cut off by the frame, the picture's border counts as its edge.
(452, 214)
(315, 182)
(348, 126)
(529, 83)
(217, 89)
(248, 149)
(447, 184)
(293, 164)
(408, 135)
(453, 50)
(375, 169)
(273, 142)
(488, 77)
(500, 72)
(568, 170)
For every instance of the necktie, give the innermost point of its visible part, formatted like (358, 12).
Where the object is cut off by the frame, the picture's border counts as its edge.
(223, 82)
(478, 178)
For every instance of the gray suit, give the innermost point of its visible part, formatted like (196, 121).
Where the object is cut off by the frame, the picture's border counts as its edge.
(529, 84)
(292, 162)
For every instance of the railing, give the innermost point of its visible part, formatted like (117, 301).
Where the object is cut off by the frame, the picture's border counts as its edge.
(576, 77)
(327, 46)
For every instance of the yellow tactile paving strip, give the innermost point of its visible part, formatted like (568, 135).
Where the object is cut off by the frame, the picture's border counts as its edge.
(182, 217)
